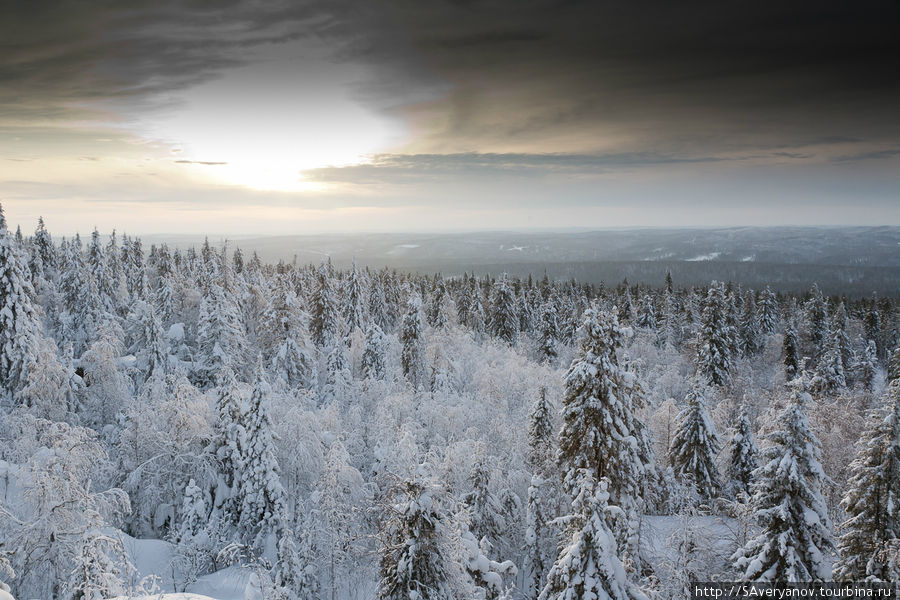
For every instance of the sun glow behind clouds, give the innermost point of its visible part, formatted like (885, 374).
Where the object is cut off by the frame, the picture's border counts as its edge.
(261, 126)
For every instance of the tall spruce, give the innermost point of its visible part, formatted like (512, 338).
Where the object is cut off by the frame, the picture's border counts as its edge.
(788, 503)
(692, 453)
(872, 501)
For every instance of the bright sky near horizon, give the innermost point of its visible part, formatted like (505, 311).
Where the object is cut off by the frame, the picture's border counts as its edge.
(241, 116)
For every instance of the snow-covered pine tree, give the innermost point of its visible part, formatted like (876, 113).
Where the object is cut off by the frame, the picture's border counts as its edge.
(194, 513)
(692, 453)
(866, 367)
(588, 565)
(294, 577)
(43, 242)
(768, 312)
(646, 317)
(750, 327)
(872, 501)
(337, 373)
(788, 503)
(893, 373)
(791, 350)
(20, 326)
(324, 324)
(485, 512)
(600, 431)
(548, 329)
(284, 340)
(420, 548)
(412, 355)
(744, 456)
(355, 307)
(221, 340)
(504, 323)
(374, 354)
(260, 495)
(539, 542)
(229, 432)
(829, 375)
(816, 317)
(714, 346)
(541, 434)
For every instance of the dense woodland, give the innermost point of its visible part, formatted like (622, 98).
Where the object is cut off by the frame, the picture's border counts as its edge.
(357, 434)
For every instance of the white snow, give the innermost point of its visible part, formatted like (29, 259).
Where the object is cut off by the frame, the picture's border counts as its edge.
(710, 256)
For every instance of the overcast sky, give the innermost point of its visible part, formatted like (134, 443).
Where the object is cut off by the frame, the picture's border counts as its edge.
(235, 116)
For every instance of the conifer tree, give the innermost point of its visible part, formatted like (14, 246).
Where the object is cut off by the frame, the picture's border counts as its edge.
(337, 373)
(750, 327)
(872, 501)
(419, 546)
(260, 494)
(485, 520)
(221, 340)
(324, 324)
(20, 327)
(893, 373)
(744, 456)
(791, 351)
(600, 432)
(412, 356)
(816, 314)
(646, 317)
(866, 367)
(229, 432)
(768, 312)
(788, 504)
(374, 354)
(504, 315)
(539, 542)
(43, 242)
(548, 327)
(714, 346)
(829, 374)
(588, 565)
(692, 453)
(194, 513)
(355, 307)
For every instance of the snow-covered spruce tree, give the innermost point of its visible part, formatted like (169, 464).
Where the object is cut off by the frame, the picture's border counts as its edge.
(600, 431)
(714, 345)
(750, 328)
(374, 354)
(337, 378)
(194, 513)
(378, 310)
(541, 434)
(294, 577)
(46, 251)
(486, 575)
(829, 375)
(768, 312)
(646, 317)
(20, 326)
(412, 355)
(791, 351)
(285, 342)
(893, 373)
(872, 501)
(485, 512)
(324, 324)
(221, 340)
(539, 542)
(354, 305)
(816, 317)
(744, 456)
(587, 566)
(866, 367)
(788, 504)
(692, 453)
(419, 545)
(229, 432)
(504, 322)
(260, 494)
(548, 331)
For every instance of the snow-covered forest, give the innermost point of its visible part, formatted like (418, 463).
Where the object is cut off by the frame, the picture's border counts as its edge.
(193, 420)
